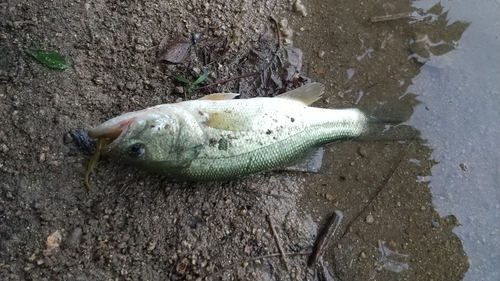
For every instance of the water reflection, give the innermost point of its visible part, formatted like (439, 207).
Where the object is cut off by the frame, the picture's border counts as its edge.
(459, 119)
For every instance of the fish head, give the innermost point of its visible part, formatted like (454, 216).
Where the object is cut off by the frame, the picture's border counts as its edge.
(140, 137)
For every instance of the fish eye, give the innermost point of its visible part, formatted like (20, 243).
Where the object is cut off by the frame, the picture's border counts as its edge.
(137, 150)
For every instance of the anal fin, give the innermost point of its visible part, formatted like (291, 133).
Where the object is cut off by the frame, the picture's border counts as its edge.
(311, 162)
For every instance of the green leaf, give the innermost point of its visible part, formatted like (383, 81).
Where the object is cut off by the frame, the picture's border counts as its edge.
(48, 58)
(182, 79)
(201, 78)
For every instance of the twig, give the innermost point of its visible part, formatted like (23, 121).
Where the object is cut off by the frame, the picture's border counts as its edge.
(255, 259)
(390, 17)
(278, 242)
(322, 243)
(277, 30)
(228, 80)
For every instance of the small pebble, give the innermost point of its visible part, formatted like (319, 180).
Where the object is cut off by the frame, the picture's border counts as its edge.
(369, 219)
(283, 23)
(330, 197)
(300, 8)
(151, 246)
(4, 148)
(53, 241)
(67, 138)
(463, 167)
(434, 223)
(41, 158)
(98, 81)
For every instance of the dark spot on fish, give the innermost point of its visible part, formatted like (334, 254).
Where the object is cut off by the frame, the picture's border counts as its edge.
(268, 132)
(166, 127)
(212, 142)
(292, 119)
(223, 144)
(199, 112)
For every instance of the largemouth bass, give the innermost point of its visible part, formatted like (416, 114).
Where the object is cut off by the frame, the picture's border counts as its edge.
(218, 137)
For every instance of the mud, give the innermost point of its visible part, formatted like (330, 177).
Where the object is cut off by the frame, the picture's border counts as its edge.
(138, 226)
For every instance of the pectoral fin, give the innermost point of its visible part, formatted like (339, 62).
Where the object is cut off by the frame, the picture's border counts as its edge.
(307, 94)
(227, 120)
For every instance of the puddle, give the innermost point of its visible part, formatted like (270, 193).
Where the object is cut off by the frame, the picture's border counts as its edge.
(413, 68)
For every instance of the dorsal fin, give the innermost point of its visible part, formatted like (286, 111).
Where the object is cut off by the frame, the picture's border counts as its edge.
(220, 96)
(307, 94)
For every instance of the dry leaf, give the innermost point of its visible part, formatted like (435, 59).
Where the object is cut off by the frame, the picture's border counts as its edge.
(174, 51)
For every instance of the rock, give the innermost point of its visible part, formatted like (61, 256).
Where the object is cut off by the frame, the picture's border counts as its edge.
(369, 219)
(53, 241)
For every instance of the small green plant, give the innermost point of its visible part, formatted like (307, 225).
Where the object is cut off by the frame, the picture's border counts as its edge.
(190, 86)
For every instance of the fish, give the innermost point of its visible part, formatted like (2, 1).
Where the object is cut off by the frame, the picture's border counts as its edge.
(218, 137)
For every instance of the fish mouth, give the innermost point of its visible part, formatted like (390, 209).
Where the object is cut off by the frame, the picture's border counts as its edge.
(113, 131)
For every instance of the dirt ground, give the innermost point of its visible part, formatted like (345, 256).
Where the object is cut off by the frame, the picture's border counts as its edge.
(137, 226)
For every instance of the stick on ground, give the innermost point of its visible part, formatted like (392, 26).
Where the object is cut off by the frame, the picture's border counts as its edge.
(322, 243)
(278, 242)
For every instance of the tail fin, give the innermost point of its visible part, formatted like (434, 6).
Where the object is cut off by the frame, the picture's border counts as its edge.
(391, 127)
